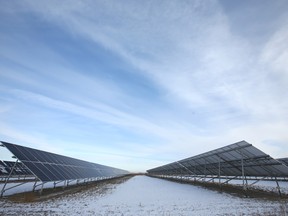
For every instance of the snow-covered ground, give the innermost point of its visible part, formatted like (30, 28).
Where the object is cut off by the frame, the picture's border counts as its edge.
(28, 186)
(265, 185)
(142, 195)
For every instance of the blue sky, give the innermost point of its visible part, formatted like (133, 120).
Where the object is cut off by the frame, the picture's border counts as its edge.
(137, 84)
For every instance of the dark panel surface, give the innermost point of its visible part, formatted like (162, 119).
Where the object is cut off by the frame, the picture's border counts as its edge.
(53, 167)
(228, 161)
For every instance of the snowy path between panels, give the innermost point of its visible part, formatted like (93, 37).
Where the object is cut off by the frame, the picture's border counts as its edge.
(142, 195)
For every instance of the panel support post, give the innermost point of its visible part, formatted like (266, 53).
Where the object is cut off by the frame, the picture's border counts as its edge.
(219, 172)
(7, 179)
(34, 186)
(204, 179)
(243, 173)
(41, 191)
(278, 187)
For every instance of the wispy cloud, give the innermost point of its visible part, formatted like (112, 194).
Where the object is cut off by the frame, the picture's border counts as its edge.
(275, 54)
(198, 66)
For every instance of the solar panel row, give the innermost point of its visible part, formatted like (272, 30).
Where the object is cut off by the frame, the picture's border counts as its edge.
(227, 161)
(283, 160)
(3, 170)
(17, 168)
(53, 167)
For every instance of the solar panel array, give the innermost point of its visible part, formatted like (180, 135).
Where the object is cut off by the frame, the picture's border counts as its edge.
(53, 167)
(283, 160)
(227, 161)
(17, 168)
(3, 170)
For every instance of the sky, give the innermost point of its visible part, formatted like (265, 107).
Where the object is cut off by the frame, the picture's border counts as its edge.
(138, 84)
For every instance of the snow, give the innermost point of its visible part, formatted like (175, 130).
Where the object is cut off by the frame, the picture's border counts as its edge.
(266, 185)
(142, 195)
(28, 186)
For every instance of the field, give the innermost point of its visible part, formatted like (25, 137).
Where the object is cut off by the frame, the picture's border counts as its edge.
(142, 195)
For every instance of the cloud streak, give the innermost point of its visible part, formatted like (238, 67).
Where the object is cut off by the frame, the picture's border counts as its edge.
(199, 66)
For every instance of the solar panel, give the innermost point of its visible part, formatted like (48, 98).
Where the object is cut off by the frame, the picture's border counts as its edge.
(53, 167)
(3, 169)
(227, 161)
(18, 168)
(283, 160)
